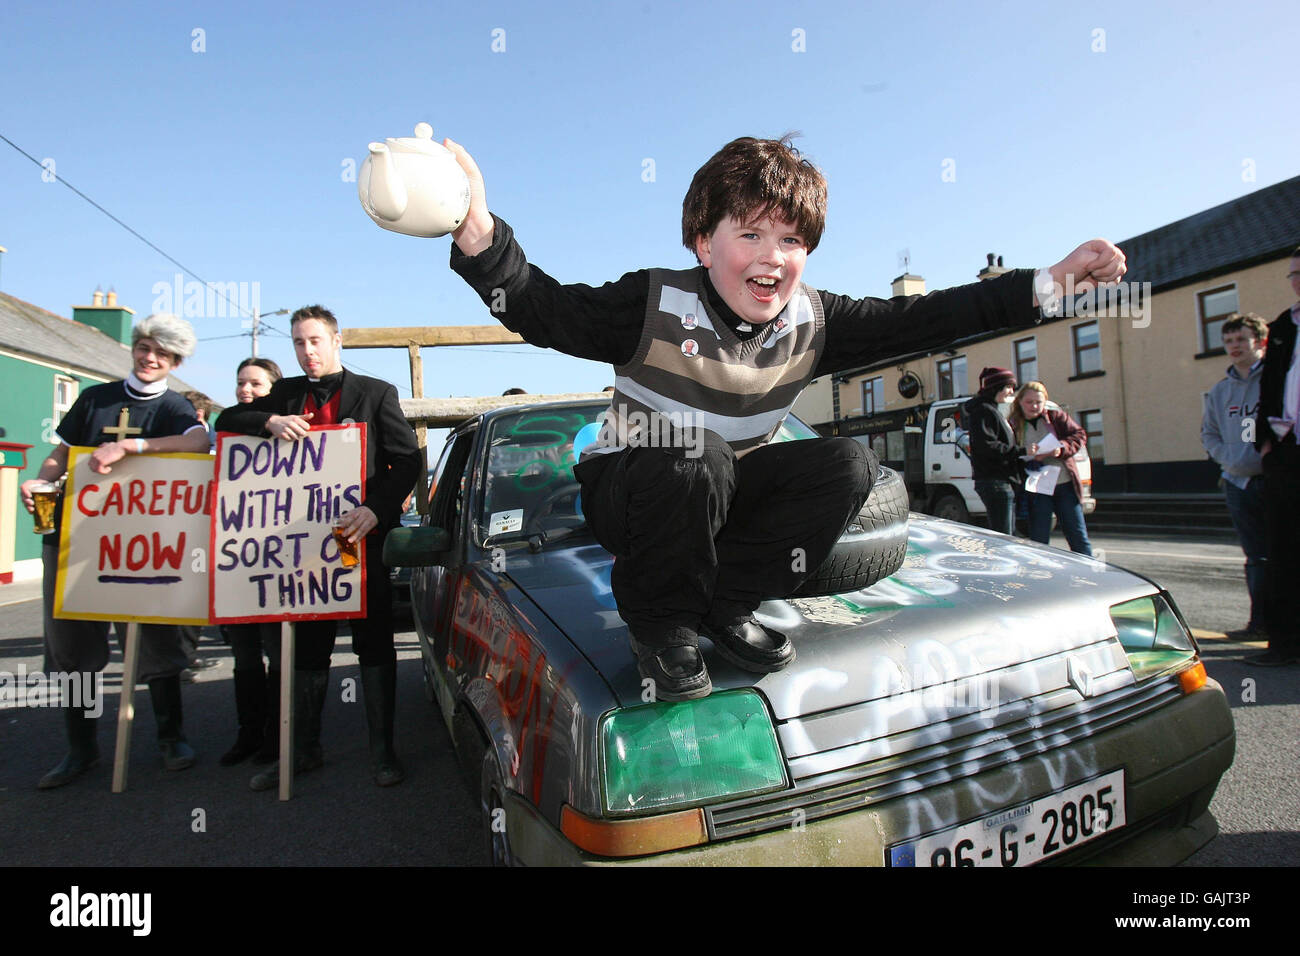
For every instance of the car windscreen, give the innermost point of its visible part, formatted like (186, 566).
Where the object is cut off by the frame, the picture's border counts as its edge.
(529, 488)
(792, 429)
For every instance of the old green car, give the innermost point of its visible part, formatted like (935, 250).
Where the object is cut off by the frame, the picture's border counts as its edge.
(989, 702)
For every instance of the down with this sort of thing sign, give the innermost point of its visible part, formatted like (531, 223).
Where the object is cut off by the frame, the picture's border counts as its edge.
(274, 553)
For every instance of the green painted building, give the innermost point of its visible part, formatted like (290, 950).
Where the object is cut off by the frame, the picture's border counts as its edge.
(45, 362)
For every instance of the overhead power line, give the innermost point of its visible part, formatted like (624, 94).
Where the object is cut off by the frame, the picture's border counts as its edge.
(180, 265)
(177, 263)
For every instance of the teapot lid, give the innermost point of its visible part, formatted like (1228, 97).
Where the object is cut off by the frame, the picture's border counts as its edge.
(421, 142)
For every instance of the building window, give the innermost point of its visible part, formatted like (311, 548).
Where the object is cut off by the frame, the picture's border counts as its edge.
(873, 395)
(1215, 306)
(951, 374)
(1024, 353)
(65, 393)
(1091, 422)
(1087, 348)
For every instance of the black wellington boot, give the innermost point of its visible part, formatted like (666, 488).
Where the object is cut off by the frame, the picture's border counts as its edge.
(165, 693)
(83, 750)
(309, 689)
(270, 749)
(379, 687)
(250, 706)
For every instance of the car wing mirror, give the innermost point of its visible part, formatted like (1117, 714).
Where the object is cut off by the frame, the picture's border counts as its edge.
(415, 547)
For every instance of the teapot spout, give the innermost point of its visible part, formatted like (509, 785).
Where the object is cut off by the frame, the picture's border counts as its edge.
(387, 192)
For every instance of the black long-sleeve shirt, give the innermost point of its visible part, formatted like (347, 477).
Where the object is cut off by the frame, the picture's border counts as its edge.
(604, 323)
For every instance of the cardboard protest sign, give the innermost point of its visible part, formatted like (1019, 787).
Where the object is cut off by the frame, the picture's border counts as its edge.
(134, 542)
(274, 557)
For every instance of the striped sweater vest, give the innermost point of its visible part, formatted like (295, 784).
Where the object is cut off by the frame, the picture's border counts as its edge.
(690, 371)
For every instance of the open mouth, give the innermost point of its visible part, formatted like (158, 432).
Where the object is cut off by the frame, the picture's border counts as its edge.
(762, 288)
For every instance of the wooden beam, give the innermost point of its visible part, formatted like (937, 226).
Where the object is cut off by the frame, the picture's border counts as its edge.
(421, 431)
(428, 336)
(449, 412)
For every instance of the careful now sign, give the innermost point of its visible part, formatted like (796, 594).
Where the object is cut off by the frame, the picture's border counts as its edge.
(274, 555)
(134, 542)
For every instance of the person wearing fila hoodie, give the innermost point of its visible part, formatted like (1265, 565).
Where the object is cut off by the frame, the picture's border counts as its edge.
(1227, 438)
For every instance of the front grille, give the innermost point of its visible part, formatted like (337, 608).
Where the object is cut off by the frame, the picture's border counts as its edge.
(828, 782)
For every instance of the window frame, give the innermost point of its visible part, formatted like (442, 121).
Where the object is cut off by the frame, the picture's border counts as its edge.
(869, 387)
(1076, 351)
(1098, 434)
(1215, 346)
(948, 377)
(74, 387)
(1017, 364)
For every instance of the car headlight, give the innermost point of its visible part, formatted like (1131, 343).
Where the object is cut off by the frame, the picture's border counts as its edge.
(685, 753)
(1152, 636)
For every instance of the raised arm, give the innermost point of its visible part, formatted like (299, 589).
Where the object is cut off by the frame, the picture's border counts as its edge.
(863, 331)
(475, 233)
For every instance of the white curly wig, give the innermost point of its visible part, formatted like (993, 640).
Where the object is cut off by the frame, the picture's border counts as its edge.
(170, 331)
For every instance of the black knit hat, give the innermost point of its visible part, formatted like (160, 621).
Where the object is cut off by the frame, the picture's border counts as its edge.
(993, 379)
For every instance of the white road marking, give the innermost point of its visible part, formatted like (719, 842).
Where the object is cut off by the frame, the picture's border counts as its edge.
(1171, 554)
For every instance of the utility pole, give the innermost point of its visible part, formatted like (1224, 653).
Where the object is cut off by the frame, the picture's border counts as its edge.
(257, 319)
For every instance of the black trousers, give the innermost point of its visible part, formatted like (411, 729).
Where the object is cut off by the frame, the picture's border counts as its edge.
(372, 635)
(711, 536)
(83, 645)
(1282, 520)
(249, 642)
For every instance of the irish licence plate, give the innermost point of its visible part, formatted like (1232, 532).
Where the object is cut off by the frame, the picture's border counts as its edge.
(1023, 835)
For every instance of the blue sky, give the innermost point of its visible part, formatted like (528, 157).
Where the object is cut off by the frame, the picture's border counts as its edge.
(1061, 122)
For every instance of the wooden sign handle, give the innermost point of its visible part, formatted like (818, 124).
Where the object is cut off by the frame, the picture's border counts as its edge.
(126, 709)
(287, 634)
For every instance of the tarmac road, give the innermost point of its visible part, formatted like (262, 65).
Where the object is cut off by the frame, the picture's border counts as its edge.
(337, 816)
(207, 816)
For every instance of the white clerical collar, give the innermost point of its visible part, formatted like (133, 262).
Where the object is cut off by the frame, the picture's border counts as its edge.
(144, 389)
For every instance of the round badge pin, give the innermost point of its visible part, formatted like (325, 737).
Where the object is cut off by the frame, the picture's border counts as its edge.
(689, 321)
(690, 348)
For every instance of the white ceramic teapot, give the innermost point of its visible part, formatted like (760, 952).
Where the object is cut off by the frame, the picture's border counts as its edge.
(413, 185)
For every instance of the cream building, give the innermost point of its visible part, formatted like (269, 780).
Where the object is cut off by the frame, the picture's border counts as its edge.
(1132, 367)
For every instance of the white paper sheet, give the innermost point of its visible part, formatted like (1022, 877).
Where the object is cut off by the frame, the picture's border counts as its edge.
(1049, 444)
(1043, 481)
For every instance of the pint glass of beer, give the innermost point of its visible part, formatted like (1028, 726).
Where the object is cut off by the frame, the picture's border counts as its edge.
(45, 497)
(348, 550)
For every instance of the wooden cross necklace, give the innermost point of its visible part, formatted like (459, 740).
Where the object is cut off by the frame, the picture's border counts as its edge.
(123, 428)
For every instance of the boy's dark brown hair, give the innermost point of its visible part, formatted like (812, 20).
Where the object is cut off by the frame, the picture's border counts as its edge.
(315, 312)
(1252, 323)
(752, 178)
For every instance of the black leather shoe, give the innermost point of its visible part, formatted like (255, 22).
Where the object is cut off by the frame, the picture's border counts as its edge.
(246, 745)
(751, 646)
(677, 672)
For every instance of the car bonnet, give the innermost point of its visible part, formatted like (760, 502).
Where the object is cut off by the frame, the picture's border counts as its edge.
(968, 610)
